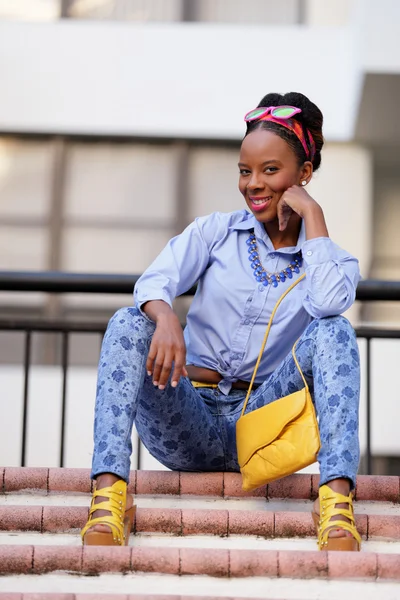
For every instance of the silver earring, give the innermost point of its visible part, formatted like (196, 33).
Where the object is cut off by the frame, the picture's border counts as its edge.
(304, 182)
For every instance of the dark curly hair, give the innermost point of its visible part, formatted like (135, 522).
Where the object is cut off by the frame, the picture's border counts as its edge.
(310, 117)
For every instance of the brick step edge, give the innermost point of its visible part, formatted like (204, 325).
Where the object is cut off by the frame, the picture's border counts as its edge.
(223, 485)
(49, 596)
(181, 522)
(93, 560)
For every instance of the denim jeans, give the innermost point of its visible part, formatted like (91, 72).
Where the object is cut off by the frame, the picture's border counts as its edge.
(193, 429)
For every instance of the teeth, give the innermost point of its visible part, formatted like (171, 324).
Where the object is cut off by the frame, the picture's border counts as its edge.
(258, 202)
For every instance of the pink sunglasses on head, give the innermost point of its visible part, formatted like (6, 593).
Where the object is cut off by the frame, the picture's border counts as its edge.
(279, 112)
(283, 116)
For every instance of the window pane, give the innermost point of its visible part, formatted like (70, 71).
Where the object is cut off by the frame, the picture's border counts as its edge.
(259, 12)
(127, 10)
(123, 183)
(23, 248)
(30, 10)
(213, 181)
(106, 250)
(25, 179)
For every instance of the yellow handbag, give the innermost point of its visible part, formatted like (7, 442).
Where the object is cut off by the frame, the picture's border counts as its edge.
(281, 437)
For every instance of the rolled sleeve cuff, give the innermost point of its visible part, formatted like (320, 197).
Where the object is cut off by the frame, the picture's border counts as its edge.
(318, 250)
(141, 297)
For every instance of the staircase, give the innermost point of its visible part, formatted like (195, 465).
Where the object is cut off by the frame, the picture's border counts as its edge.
(196, 535)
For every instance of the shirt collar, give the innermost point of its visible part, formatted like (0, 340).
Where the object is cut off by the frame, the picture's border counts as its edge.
(250, 222)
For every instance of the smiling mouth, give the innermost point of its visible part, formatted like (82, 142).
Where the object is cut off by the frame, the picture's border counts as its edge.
(260, 203)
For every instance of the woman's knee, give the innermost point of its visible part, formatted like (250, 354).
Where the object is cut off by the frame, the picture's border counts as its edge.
(131, 319)
(331, 325)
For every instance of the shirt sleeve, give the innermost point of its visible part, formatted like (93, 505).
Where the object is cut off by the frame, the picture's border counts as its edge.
(332, 276)
(180, 264)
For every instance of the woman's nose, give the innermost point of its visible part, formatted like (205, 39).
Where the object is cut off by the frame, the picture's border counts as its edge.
(255, 182)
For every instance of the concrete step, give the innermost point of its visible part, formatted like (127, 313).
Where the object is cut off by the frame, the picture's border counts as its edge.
(189, 521)
(233, 542)
(197, 527)
(225, 485)
(16, 596)
(162, 587)
(215, 562)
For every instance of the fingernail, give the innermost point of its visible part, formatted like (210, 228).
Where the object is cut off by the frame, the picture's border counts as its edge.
(155, 383)
(174, 384)
(161, 387)
(149, 373)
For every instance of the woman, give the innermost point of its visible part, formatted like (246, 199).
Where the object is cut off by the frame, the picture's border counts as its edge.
(185, 391)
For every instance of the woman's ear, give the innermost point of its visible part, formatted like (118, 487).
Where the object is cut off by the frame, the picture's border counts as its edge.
(306, 173)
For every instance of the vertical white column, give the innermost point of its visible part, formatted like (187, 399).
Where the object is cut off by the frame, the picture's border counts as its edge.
(328, 12)
(343, 186)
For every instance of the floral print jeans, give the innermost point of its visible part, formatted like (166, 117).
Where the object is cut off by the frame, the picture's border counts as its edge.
(193, 429)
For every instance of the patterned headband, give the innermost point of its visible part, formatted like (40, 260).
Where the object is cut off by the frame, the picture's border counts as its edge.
(282, 115)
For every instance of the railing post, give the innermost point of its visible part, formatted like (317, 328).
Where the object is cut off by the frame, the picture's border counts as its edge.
(64, 364)
(368, 411)
(27, 363)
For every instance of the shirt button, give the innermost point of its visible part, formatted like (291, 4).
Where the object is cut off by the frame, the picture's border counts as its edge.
(309, 253)
(272, 255)
(247, 322)
(261, 287)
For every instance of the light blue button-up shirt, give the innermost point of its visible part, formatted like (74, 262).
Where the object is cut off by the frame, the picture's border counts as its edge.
(230, 310)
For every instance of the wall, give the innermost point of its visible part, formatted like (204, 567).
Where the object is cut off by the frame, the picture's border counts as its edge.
(110, 78)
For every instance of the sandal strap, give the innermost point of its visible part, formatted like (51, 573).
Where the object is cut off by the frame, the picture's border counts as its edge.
(339, 525)
(115, 503)
(110, 505)
(116, 528)
(328, 501)
(113, 491)
(335, 512)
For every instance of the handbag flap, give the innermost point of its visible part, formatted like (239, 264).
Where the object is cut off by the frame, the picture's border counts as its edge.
(261, 427)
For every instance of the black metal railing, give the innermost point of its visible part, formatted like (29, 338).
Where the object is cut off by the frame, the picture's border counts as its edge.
(62, 283)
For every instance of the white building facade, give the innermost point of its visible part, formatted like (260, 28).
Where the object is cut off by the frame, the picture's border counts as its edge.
(122, 122)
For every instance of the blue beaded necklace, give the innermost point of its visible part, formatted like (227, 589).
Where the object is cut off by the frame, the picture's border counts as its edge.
(270, 278)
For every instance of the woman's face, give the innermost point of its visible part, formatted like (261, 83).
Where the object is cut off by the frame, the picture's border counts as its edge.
(267, 167)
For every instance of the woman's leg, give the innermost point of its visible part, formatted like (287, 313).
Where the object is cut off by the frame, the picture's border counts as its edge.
(175, 424)
(328, 356)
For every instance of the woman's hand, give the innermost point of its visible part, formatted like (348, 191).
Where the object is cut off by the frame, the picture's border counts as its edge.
(167, 347)
(297, 200)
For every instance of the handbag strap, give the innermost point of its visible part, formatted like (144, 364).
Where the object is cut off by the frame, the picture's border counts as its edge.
(265, 341)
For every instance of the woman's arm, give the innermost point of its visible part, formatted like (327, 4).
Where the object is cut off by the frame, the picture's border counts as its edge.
(176, 269)
(179, 265)
(332, 274)
(167, 346)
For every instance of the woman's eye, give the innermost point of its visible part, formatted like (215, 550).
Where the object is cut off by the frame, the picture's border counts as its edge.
(271, 169)
(244, 171)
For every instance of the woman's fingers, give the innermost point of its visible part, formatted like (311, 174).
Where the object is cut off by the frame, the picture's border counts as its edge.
(179, 367)
(284, 213)
(151, 357)
(167, 353)
(158, 366)
(165, 371)
(281, 218)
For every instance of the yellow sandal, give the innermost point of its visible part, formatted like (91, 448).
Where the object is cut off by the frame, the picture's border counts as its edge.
(327, 502)
(120, 521)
